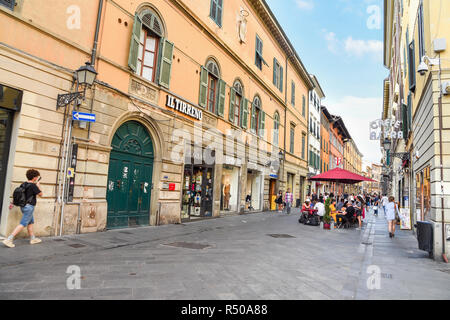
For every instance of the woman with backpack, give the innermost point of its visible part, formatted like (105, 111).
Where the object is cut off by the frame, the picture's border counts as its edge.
(30, 190)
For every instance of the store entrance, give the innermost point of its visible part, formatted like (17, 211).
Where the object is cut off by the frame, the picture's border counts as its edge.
(197, 199)
(10, 102)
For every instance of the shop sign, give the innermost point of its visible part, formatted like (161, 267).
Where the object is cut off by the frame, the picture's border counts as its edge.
(171, 186)
(388, 128)
(184, 107)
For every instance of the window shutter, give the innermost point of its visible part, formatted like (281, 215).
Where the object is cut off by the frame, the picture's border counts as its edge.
(262, 125)
(244, 113)
(412, 67)
(275, 71)
(166, 63)
(293, 94)
(220, 107)
(405, 121)
(135, 40)
(281, 79)
(409, 112)
(253, 119)
(232, 102)
(203, 87)
(303, 106)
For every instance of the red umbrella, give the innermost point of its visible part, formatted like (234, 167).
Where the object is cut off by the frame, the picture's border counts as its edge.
(341, 176)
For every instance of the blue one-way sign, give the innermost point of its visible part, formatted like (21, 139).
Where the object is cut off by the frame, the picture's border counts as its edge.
(80, 116)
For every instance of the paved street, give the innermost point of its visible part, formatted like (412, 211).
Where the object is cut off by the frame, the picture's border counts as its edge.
(228, 258)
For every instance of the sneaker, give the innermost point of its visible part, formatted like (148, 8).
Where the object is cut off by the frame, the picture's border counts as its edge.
(35, 241)
(9, 243)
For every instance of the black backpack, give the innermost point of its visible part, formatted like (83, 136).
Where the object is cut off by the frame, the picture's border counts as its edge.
(19, 197)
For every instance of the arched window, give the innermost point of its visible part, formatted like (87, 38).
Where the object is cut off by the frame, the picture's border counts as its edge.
(236, 103)
(212, 88)
(276, 128)
(147, 43)
(258, 117)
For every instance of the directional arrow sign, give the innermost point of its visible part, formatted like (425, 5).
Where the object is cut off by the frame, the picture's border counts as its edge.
(80, 116)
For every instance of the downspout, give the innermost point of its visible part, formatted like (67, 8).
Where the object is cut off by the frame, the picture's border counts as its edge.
(444, 256)
(97, 30)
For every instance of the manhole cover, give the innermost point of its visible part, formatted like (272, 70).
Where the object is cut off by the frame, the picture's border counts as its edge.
(196, 246)
(77, 245)
(280, 236)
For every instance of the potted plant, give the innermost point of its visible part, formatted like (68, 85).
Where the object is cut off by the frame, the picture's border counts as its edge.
(327, 215)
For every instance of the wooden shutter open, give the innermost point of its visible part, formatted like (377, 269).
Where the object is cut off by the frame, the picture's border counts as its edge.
(221, 98)
(203, 87)
(244, 112)
(232, 102)
(135, 41)
(166, 63)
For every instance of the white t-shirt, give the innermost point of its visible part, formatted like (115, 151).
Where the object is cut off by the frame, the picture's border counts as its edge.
(320, 207)
(385, 201)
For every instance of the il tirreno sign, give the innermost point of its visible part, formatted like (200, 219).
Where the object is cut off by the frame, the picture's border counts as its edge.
(183, 107)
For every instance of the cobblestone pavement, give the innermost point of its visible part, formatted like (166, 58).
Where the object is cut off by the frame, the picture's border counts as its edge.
(228, 258)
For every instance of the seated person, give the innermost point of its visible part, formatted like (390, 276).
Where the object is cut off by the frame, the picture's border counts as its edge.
(340, 204)
(306, 206)
(320, 207)
(347, 214)
(333, 212)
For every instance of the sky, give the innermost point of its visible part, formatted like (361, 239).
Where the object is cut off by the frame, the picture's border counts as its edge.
(341, 43)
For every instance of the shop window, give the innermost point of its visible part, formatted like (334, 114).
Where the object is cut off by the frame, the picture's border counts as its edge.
(236, 103)
(216, 11)
(212, 89)
(8, 3)
(149, 49)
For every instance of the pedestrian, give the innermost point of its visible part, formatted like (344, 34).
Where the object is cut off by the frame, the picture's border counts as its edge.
(288, 199)
(32, 189)
(384, 202)
(375, 207)
(279, 201)
(391, 209)
(320, 207)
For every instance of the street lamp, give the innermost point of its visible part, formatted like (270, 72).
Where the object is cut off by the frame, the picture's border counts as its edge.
(387, 144)
(85, 76)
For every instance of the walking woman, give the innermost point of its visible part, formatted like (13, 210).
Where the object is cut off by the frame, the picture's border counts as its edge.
(391, 209)
(280, 201)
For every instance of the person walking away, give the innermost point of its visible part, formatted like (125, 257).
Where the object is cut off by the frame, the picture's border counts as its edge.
(384, 202)
(358, 207)
(391, 209)
(32, 189)
(375, 208)
(280, 201)
(288, 199)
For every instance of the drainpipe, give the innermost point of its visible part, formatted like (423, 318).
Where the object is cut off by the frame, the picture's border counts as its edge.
(444, 256)
(97, 29)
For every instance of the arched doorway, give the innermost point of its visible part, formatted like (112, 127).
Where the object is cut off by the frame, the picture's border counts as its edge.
(130, 177)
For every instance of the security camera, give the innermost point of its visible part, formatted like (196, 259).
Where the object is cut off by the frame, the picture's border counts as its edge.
(423, 68)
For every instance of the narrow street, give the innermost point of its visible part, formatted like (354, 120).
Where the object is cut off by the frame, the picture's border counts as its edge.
(228, 258)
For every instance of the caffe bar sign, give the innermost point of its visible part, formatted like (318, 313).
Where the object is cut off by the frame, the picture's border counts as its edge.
(183, 107)
(386, 128)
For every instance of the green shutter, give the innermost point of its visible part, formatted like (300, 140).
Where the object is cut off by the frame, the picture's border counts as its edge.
(232, 102)
(166, 63)
(135, 41)
(405, 121)
(303, 106)
(203, 87)
(244, 114)
(262, 125)
(221, 98)
(253, 119)
(293, 94)
(281, 79)
(275, 72)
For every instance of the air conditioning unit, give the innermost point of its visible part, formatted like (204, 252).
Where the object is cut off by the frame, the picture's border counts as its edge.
(446, 88)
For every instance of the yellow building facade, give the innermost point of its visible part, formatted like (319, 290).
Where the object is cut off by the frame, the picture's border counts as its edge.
(200, 111)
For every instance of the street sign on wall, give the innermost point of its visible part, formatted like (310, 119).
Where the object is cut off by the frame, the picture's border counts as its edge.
(80, 116)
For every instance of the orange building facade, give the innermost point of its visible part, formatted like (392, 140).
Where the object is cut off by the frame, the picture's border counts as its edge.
(201, 111)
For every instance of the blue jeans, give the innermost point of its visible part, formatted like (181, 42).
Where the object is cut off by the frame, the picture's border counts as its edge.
(27, 215)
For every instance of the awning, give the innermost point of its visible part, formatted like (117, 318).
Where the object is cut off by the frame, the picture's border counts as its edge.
(341, 176)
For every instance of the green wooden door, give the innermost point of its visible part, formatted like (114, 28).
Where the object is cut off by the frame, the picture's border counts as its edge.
(130, 177)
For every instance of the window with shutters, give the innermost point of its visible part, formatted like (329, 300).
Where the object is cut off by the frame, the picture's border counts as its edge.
(8, 3)
(236, 103)
(259, 60)
(412, 66)
(150, 53)
(303, 106)
(303, 144)
(277, 75)
(420, 28)
(292, 139)
(216, 11)
(257, 117)
(213, 81)
(276, 128)
(293, 93)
